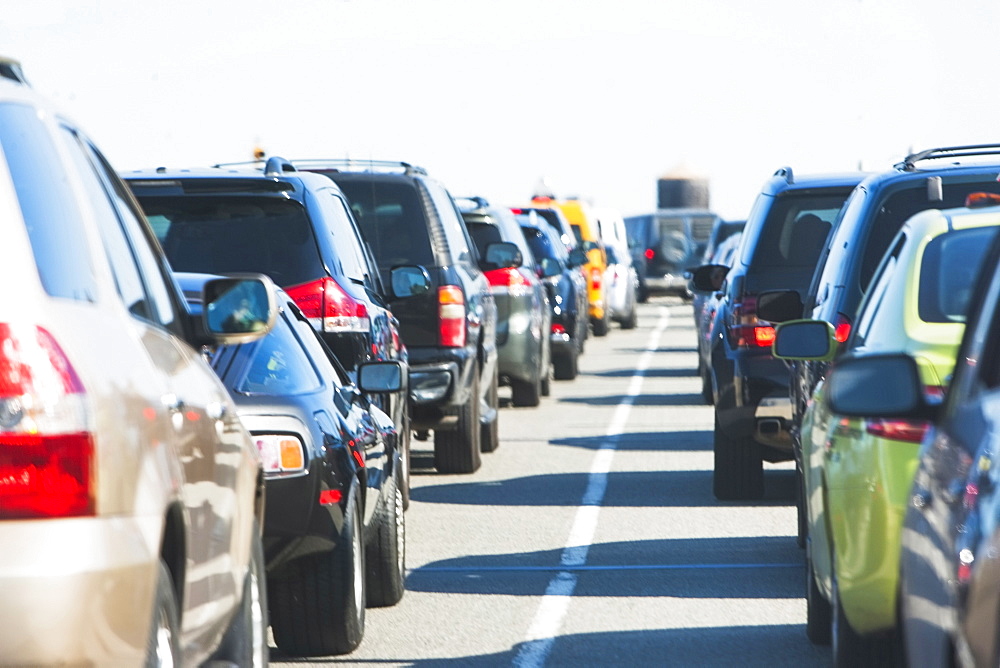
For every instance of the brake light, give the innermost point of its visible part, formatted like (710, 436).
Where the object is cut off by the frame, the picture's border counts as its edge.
(908, 431)
(841, 328)
(649, 253)
(747, 330)
(451, 316)
(46, 445)
(595, 278)
(509, 279)
(558, 328)
(516, 211)
(329, 308)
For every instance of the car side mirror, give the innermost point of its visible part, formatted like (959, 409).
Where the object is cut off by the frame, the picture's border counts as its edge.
(501, 255)
(382, 377)
(577, 257)
(550, 267)
(876, 386)
(239, 308)
(779, 305)
(409, 280)
(805, 340)
(709, 277)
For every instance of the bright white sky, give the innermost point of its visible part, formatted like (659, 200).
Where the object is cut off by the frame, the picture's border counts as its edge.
(600, 97)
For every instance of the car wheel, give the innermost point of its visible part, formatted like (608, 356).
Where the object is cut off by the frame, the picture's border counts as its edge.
(801, 515)
(386, 553)
(457, 451)
(565, 367)
(404, 457)
(163, 648)
(739, 469)
(527, 392)
(818, 610)
(632, 320)
(489, 437)
(546, 370)
(245, 643)
(850, 649)
(706, 386)
(602, 325)
(318, 605)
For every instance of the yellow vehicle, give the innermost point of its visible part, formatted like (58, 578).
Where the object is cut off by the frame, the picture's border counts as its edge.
(584, 224)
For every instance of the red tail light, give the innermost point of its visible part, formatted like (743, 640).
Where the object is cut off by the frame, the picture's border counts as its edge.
(510, 279)
(746, 329)
(595, 278)
(649, 253)
(516, 211)
(46, 447)
(908, 431)
(842, 328)
(329, 308)
(451, 316)
(558, 329)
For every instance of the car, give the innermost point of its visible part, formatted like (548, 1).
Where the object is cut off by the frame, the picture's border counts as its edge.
(446, 311)
(131, 496)
(542, 207)
(622, 287)
(334, 522)
(567, 293)
(584, 223)
(930, 179)
(672, 240)
(948, 602)
(297, 228)
(916, 305)
(706, 310)
(524, 319)
(784, 235)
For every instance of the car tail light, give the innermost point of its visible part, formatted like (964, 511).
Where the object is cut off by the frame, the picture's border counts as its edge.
(908, 431)
(329, 308)
(516, 211)
(46, 443)
(842, 328)
(509, 278)
(649, 253)
(747, 330)
(280, 453)
(558, 328)
(595, 278)
(451, 316)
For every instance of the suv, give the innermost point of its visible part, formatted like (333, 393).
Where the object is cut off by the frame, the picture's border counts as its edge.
(131, 496)
(297, 228)
(784, 236)
(671, 240)
(872, 217)
(447, 314)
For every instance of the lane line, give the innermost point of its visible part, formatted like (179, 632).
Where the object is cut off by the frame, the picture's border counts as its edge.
(552, 610)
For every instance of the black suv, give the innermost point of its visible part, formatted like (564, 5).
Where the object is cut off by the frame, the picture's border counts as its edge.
(297, 228)
(446, 313)
(872, 217)
(784, 236)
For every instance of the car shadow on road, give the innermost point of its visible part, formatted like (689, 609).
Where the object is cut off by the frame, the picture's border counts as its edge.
(660, 441)
(641, 400)
(648, 373)
(625, 489)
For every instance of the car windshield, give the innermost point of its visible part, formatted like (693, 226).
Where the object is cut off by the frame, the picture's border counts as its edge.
(948, 273)
(223, 235)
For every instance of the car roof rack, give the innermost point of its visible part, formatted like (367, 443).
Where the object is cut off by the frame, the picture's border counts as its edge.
(353, 165)
(467, 204)
(909, 162)
(276, 166)
(785, 173)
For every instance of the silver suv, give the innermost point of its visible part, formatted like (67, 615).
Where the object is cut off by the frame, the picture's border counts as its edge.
(130, 493)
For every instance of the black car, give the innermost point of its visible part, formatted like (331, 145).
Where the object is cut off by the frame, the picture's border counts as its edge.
(297, 228)
(567, 293)
(949, 575)
(871, 218)
(334, 534)
(781, 243)
(446, 312)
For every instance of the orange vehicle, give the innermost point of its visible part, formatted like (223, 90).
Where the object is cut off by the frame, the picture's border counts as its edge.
(584, 223)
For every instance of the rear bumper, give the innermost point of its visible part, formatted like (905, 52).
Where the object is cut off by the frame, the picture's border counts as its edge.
(78, 591)
(671, 284)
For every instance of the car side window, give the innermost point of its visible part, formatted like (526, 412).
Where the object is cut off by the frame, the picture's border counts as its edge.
(280, 365)
(345, 237)
(870, 308)
(48, 205)
(451, 221)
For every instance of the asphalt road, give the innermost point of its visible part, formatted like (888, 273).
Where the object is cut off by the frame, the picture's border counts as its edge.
(591, 536)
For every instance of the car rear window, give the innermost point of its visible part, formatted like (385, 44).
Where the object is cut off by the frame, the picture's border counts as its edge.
(222, 235)
(483, 234)
(391, 219)
(948, 272)
(540, 245)
(796, 229)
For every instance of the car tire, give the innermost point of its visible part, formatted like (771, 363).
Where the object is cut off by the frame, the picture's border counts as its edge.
(403, 444)
(245, 643)
(318, 606)
(527, 393)
(632, 320)
(739, 468)
(602, 325)
(851, 649)
(566, 367)
(707, 394)
(819, 613)
(546, 370)
(457, 450)
(385, 557)
(489, 436)
(163, 647)
(801, 514)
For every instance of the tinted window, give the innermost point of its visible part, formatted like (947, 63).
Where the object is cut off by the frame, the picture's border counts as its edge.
(222, 235)
(48, 205)
(540, 245)
(796, 230)
(345, 239)
(948, 272)
(391, 219)
(483, 234)
(278, 365)
(451, 222)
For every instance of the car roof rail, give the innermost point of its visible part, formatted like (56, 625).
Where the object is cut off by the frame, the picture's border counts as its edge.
(10, 69)
(354, 165)
(909, 162)
(276, 166)
(785, 173)
(466, 204)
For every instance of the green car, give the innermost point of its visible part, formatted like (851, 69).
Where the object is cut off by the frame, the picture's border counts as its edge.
(858, 472)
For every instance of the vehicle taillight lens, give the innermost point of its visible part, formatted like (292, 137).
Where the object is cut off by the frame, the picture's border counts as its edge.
(649, 253)
(509, 279)
(329, 308)
(908, 431)
(46, 444)
(280, 453)
(842, 328)
(595, 278)
(747, 330)
(451, 316)
(558, 328)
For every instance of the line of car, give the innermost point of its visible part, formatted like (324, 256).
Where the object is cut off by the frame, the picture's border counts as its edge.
(209, 379)
(833, 342)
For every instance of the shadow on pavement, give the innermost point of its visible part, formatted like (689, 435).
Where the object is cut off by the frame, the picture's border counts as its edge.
(663, 441)
(641, 400)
